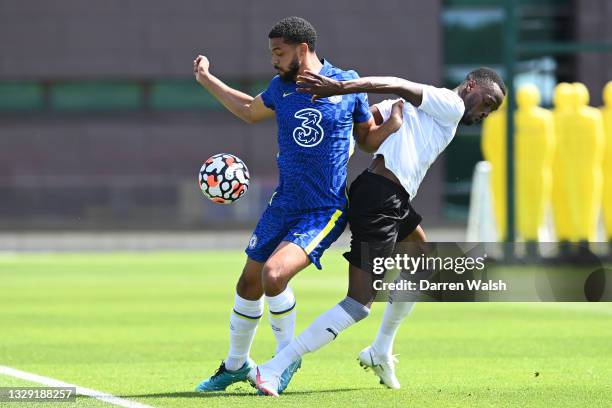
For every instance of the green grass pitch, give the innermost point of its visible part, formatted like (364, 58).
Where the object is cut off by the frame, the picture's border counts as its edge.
(149, 326)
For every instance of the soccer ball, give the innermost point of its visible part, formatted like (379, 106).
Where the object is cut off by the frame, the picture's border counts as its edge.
(224, 178)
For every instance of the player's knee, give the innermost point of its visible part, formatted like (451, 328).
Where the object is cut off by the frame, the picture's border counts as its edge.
(273, 278)
(419, 240)
(243, 286)
(249, 286)
(418, 235)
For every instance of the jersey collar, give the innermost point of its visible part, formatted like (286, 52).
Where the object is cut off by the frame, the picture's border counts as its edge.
(326, 68)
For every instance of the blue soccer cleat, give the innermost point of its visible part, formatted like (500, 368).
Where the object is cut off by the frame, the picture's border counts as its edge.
(223, 378)
(270, 384)
(288, 374)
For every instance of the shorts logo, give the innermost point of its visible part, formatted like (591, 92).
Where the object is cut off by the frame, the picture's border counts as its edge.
(253, 242)
(310, 133)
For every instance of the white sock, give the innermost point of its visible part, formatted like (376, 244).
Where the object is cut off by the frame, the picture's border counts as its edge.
(392, 318)
(282, 317)
(322, 331)
(243, 325)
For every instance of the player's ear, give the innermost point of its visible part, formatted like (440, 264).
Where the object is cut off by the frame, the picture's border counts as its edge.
(470, 85)
(303, 49)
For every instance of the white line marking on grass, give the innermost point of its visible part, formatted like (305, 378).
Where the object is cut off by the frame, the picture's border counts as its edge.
(50, 382)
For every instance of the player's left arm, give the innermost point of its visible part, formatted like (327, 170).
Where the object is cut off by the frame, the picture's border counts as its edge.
(371, 134)
(320, 86)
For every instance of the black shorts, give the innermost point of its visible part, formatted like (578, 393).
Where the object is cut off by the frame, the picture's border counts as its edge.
(379, 215)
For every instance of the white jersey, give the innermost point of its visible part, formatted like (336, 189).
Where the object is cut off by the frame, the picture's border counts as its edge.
(425, 133)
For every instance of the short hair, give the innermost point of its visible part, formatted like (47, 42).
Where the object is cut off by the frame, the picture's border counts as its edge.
(295, 30)
(486, 76)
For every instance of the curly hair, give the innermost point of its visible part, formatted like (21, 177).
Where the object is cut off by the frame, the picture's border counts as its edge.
(486, 76)
(295, 30)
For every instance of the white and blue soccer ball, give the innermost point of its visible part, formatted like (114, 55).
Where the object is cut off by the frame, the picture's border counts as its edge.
(224, 178)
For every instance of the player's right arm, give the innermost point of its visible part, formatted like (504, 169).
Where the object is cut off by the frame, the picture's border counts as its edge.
(249, 109)
(320, 86)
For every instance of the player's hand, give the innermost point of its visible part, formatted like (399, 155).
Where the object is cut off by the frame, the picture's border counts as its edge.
(200, 68)
(397, 115)
(317, 85)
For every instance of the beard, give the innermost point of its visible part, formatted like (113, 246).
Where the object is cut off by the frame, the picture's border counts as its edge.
(291, 73)
(466, 119)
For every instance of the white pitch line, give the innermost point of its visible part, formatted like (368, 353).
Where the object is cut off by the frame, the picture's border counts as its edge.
(50, 382)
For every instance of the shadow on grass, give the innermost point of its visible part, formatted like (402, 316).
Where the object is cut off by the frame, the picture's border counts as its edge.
(221, 394)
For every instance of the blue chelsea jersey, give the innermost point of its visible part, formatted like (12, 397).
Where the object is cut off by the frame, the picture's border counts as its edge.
(315, 141)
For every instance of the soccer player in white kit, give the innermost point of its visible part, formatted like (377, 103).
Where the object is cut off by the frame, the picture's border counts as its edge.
(380, 214)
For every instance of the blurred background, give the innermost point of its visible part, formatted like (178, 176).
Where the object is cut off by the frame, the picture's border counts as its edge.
(102, 126)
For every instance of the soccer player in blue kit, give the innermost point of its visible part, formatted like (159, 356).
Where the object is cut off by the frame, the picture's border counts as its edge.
(307, 212)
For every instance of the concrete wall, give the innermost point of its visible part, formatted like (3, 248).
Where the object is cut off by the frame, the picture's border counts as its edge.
(593, 25)
(158, 38)
(47, 160)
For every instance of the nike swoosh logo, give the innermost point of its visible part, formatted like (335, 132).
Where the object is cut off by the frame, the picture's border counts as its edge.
(285, 94)
(332, 332)
(298, 235)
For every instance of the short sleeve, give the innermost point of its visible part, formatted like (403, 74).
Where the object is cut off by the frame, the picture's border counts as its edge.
(444, 105)
(385, 107)
(361, 113)
(362, 108)
(269, 95)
